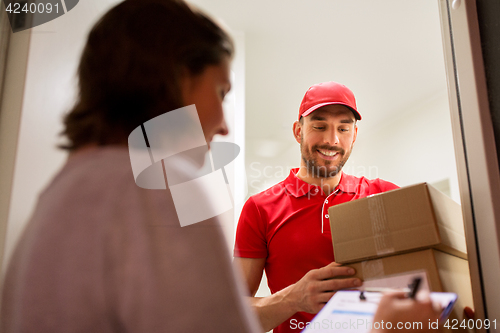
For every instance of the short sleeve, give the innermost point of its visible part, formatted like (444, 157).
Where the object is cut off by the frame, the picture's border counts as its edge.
(385, 186)
(251, 239)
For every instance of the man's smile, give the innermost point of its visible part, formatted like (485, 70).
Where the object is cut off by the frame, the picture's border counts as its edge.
(327, 154)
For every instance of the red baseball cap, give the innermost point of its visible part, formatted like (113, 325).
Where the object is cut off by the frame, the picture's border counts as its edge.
(327, 93)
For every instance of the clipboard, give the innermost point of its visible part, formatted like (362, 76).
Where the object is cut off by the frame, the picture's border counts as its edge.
(345, 312)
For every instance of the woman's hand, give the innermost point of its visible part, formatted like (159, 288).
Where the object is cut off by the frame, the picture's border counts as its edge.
(405, 313)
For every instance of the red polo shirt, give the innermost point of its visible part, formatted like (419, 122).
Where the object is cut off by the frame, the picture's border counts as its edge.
(288, 225)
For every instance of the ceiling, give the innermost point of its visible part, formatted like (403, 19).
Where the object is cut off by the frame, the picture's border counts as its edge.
(388, 52)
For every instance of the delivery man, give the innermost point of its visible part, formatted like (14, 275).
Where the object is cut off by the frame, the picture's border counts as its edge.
(285, 230)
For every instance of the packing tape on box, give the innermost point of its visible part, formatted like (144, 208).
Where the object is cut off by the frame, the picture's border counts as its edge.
(372, 269)
(381, 233)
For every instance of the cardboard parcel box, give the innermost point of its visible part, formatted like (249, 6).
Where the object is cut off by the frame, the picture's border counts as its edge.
(444, 272)
(398, 221)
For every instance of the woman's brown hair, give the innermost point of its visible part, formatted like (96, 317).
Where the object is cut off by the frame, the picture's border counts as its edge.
(131, 65)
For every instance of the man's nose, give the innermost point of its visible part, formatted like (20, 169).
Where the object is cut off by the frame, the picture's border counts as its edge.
(332, 138)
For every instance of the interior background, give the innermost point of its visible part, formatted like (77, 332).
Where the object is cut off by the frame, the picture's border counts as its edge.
(388, 52)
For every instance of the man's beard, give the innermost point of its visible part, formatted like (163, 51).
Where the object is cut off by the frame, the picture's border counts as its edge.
(329, 169)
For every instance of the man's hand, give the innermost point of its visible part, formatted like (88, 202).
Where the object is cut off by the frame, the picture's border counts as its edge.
(397, 308)
(309, 294)
(316, 288)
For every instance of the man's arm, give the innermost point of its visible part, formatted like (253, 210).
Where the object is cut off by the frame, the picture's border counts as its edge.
(309, 294)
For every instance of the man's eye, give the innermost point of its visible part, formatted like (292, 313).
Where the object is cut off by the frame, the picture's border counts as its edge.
(318, 127)
(344, 130)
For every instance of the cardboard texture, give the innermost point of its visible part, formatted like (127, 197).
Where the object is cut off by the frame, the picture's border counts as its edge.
(398, 221)
(445, 272)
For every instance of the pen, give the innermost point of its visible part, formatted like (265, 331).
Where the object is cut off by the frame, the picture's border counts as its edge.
(381, 290)
(414, 287)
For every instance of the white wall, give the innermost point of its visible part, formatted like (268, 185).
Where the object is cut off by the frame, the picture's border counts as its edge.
(14, 59)
(415, 147)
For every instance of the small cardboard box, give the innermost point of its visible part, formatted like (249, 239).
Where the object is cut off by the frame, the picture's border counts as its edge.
(398, 221)
(445, 272)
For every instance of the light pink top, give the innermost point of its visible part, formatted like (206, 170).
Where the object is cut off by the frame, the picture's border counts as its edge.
(101, 254)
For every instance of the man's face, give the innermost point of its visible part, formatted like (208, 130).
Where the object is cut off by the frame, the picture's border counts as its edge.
(326, 138)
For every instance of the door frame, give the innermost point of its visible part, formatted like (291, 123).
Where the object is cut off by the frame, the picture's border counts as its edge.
(475, 151)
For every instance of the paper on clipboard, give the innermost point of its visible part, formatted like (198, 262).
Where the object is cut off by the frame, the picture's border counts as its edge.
(346, 313)
(403, 280)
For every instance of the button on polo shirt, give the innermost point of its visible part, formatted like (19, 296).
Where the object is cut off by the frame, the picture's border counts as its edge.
(288, 224)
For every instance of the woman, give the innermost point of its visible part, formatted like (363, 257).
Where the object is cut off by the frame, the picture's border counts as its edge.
(101, 254)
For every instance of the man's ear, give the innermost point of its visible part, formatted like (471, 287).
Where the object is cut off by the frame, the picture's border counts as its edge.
(355, 133)
(297, 130)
